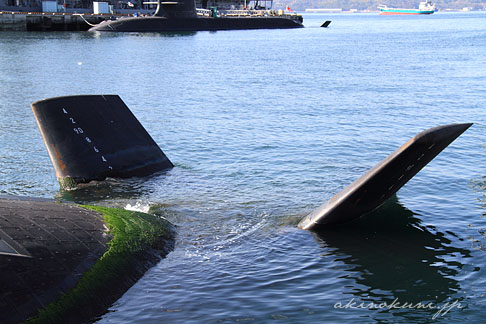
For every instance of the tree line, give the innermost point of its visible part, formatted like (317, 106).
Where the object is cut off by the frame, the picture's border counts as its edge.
(301, 5)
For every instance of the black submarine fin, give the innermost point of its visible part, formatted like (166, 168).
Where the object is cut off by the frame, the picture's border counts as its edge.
(91, 137)
(377, 185)
(326, 23)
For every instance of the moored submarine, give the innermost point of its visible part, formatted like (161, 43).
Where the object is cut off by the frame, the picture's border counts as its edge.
(181, 16)
(59, 258)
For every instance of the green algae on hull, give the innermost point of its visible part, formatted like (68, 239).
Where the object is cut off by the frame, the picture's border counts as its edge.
(139, 240)
(67, 183)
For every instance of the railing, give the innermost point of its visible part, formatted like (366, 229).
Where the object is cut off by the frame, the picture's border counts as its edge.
(58, 13)
(200, 12)
(244, 13)
(203, 12)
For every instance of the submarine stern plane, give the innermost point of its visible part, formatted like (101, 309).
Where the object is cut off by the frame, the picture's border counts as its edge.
(95, 136)
(382, 181)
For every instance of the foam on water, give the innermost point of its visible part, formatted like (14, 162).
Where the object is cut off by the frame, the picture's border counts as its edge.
(138, 206)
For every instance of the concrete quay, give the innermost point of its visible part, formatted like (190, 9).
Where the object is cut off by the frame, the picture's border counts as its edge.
(41, 21)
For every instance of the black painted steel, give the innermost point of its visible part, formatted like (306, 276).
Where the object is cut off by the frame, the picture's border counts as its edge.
(56, 242)
(376, 186)
(326, 23)
(176, 9)
(92, 137)
(181, 16)
(161, 24)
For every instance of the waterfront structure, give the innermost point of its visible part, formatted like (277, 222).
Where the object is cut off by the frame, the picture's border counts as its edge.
(235, 4)
(183, 16)
(76, 15)
(26, 21)
(127, 5)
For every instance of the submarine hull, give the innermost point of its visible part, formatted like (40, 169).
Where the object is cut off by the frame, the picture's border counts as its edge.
(161, 24)
(65, 263)
(47, 246)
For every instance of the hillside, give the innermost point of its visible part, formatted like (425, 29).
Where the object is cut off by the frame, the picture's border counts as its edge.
(301, 5)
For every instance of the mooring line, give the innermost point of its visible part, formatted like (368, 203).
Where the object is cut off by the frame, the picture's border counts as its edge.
(80, 15)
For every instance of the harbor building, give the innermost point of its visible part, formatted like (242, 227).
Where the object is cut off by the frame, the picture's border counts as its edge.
(128, 5)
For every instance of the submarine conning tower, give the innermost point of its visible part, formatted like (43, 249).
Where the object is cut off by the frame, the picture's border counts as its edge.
(176, 9)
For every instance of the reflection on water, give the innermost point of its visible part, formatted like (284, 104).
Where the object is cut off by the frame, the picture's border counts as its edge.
(480, 242)
(111, 189)
(98, 191)
(98, 34)
(42, 36)
(392, 256)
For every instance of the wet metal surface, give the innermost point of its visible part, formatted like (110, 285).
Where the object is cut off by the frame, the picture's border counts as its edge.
(376, 186)
(94, 137)
(51, 245)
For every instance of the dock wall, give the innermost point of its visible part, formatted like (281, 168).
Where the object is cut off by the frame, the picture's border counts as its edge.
(22, 21)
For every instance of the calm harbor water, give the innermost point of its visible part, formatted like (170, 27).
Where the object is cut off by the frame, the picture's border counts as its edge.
(264, 126)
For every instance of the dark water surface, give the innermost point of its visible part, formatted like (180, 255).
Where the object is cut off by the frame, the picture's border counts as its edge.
(264, 126)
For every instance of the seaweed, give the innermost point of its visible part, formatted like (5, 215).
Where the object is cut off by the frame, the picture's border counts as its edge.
(138, 241)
